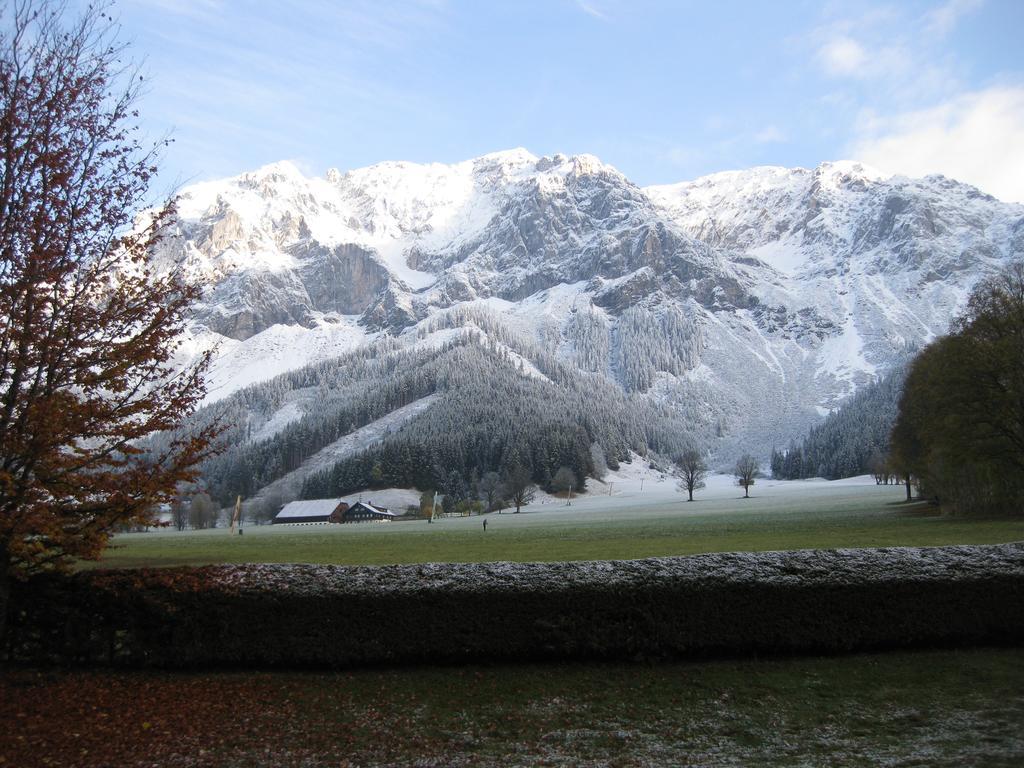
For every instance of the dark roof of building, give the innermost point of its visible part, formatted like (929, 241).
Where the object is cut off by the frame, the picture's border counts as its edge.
(377, 510)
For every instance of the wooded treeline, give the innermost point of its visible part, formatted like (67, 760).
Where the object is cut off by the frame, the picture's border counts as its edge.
(851, 440)
(950, 422)
(960, 432)
(502, 403)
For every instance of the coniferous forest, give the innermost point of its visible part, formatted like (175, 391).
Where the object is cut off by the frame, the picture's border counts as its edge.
(492, 401)
(851, 439)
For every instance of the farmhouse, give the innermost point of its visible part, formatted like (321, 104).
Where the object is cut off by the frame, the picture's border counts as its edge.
(331, 511)
(361, 512)
(311, 511)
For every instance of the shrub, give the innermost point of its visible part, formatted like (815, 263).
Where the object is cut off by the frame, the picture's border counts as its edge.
(335, 616)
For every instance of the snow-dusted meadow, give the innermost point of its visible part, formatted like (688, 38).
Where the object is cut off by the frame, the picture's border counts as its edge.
(639, 489)
(635, 512)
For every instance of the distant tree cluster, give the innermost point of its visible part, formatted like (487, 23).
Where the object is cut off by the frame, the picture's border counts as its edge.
(960, 431)
(591, 338)
(669, 341)
(194, 509)
(850, 440)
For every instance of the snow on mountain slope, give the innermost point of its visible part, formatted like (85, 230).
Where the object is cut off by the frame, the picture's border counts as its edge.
(765, 296)
(358, 440)
(885, 262)
(277, 349)
(746, 210)
(847, 219)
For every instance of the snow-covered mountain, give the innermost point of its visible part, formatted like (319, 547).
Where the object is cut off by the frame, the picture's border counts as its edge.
(757, 299)
(888, 260)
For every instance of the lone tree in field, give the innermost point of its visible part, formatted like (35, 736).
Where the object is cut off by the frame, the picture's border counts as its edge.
(491, 489)
(564, 481)
(693, 470)
(519, 486)
(88, 327)
(745, 471)
(202, 512)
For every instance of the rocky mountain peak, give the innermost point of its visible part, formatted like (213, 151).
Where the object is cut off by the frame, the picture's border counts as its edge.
(848, 172)
(278, 171)
(793, 285)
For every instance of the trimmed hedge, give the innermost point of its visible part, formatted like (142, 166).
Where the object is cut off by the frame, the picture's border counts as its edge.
(336, 616)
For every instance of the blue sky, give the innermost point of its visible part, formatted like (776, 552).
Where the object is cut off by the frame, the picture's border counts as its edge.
(664, 91)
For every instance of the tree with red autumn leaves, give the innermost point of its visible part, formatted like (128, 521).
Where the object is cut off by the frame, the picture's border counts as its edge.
(89, 328)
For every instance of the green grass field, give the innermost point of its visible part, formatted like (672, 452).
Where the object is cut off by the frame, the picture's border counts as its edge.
(799, 517)
(933, 708)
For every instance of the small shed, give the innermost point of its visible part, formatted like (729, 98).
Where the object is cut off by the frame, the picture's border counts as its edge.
(364, 512)
(311, 511)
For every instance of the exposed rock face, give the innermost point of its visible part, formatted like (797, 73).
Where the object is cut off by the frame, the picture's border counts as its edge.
(885, 259)
(252, 302)
(391, 311)
(346, 279)
(803, 283)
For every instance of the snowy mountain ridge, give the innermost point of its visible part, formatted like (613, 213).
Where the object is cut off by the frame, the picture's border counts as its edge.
(766, 295)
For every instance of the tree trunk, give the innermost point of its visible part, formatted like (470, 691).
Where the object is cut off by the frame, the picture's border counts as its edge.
(746, 491)
(5, 588)
(690, 491)
(908, 487)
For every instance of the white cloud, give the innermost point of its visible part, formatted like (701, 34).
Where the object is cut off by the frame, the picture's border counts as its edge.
(893, 52)
(843, 55)
(941, 20)
(975, 137)
(589, 8)
(890, 63)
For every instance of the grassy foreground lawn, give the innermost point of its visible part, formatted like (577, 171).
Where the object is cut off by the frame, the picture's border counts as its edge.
(592, 529)
(938, 708)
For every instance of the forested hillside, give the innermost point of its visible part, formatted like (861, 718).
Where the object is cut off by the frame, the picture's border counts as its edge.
(850, 439)
(437, 409)
(491, 419)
